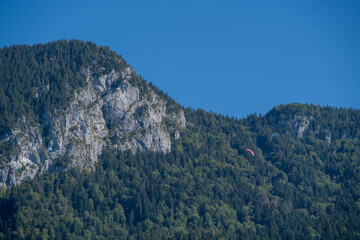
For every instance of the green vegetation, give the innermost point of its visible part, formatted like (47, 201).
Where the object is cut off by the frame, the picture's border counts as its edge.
(40, 78)
(207, 187)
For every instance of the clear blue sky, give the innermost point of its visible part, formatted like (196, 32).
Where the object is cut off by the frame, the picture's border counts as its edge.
(230, 57)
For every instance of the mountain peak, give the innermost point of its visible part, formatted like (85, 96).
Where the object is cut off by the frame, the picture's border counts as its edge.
(138, 165)
(82, 99)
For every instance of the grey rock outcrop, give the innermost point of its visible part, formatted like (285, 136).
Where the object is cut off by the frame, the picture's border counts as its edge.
(328, 138)
(299, 125)
(109, 111)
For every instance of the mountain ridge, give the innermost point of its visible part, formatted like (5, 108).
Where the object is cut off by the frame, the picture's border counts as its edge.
(107, 106)
(102, 154)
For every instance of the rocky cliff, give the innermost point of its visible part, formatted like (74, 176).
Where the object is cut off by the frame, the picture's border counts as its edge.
(109, 111)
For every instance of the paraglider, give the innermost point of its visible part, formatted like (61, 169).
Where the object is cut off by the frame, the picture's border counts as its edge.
(251, 152)
(122, 150)
(334, 152)
(50, 149)
(273, 135)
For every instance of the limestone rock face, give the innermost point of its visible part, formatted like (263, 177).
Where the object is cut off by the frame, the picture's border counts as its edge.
(109, 111)
(299, 125)
(328, 138)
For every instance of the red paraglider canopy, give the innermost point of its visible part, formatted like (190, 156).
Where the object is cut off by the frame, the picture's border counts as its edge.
(251, 152)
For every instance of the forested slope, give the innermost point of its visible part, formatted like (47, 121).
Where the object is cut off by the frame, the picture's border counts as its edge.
(43, 77)
(207, 187)
(62, 102)
(303, 181)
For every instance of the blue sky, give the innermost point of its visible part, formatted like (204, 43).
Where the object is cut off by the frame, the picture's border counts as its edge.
(229, 57)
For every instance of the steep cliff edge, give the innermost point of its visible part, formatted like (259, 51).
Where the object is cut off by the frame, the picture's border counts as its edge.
(114, 108)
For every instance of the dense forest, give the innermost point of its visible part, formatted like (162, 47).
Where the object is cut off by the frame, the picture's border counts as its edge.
(207, 187)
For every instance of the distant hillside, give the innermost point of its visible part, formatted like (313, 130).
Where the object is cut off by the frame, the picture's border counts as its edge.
(101, 154)
(325, 123)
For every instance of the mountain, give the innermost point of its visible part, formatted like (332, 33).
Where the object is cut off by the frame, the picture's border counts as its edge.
(90, 150)
(64, 101)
